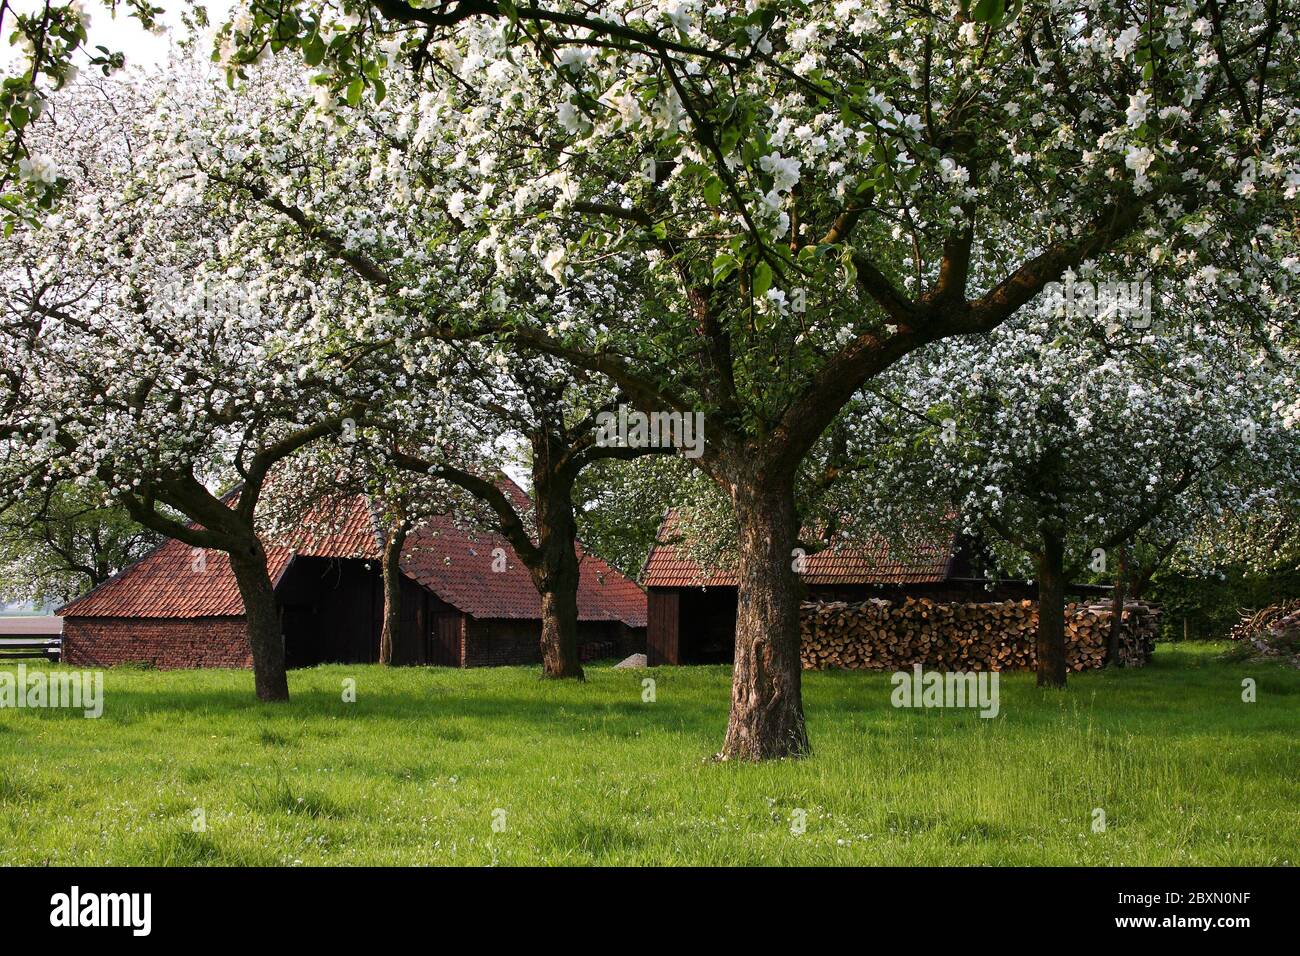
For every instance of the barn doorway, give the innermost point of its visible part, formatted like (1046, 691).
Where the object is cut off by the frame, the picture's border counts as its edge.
(330, 611)
(445, 639)
(708, 626)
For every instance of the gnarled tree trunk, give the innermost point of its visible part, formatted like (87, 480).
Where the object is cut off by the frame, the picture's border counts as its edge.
(766, 703)
(555, 575)
(249, 565)
(392, 571)
(1051, 610)
(560, 628)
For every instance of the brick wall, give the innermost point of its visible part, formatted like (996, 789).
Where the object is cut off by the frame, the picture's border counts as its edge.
(223, 642)
(162, 642)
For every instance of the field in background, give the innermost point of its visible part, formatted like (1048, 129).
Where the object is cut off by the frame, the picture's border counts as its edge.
(420, 767)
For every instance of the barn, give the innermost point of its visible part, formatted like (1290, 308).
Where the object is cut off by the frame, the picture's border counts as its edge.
(178, 607)
(692, 610)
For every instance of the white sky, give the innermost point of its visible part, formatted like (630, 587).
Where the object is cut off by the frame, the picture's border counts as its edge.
(122, 33)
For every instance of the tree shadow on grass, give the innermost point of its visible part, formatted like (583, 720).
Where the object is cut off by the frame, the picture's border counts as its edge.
(287, 724)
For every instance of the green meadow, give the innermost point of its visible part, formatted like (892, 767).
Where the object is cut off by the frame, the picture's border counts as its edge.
(434, 766)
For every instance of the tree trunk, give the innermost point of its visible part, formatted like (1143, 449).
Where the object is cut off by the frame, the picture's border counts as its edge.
(392, 629)
(766, 705)
(560, 628)
(1113, 658)
(556, 576)
(263, 621)
(1051, 611)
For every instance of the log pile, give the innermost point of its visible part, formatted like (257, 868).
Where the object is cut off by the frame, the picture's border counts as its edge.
(891, 635)
(1273, 631)
(1276, 617)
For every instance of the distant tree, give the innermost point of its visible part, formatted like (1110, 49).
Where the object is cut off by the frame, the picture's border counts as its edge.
(621, 504)
(59, 544)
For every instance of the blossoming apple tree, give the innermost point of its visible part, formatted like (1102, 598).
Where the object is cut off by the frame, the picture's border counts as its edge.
(1059, 443)
(142, 362)
(352, 190)
(751, 210)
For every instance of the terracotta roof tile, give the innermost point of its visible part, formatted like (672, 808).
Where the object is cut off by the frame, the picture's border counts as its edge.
(341, 529)
(457, 565)
(170, 582)
(670, 566)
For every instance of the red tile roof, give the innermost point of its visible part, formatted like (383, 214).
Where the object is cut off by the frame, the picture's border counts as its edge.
(453, 563)
(178, 580)
(457, 566)
(669, 565)
(172, 581)
(341, 528)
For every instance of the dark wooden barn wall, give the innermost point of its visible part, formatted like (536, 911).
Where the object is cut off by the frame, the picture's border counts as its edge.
(329, 610)
(662, 625)
(707, 634)
(333, 612)
(489, 641)
(447, 637)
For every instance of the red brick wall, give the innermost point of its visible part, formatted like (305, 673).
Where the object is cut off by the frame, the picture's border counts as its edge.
(222, 641)
(162, 642)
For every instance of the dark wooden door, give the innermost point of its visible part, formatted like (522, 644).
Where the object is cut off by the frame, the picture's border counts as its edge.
(444, 639)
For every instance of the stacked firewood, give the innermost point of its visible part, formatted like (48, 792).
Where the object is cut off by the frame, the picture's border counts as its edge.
(889, 635)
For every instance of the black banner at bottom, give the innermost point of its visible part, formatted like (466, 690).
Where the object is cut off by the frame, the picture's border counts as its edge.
(335, 905)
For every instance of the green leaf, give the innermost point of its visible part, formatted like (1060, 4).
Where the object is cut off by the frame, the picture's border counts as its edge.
(713, 191)
(989, 11)
(850, 268)
(762, 279)
(730, 137)
(355, 89)
(723, 266)
(313, 50)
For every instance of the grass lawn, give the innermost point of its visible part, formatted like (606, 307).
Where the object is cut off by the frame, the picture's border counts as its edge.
(413, 771)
